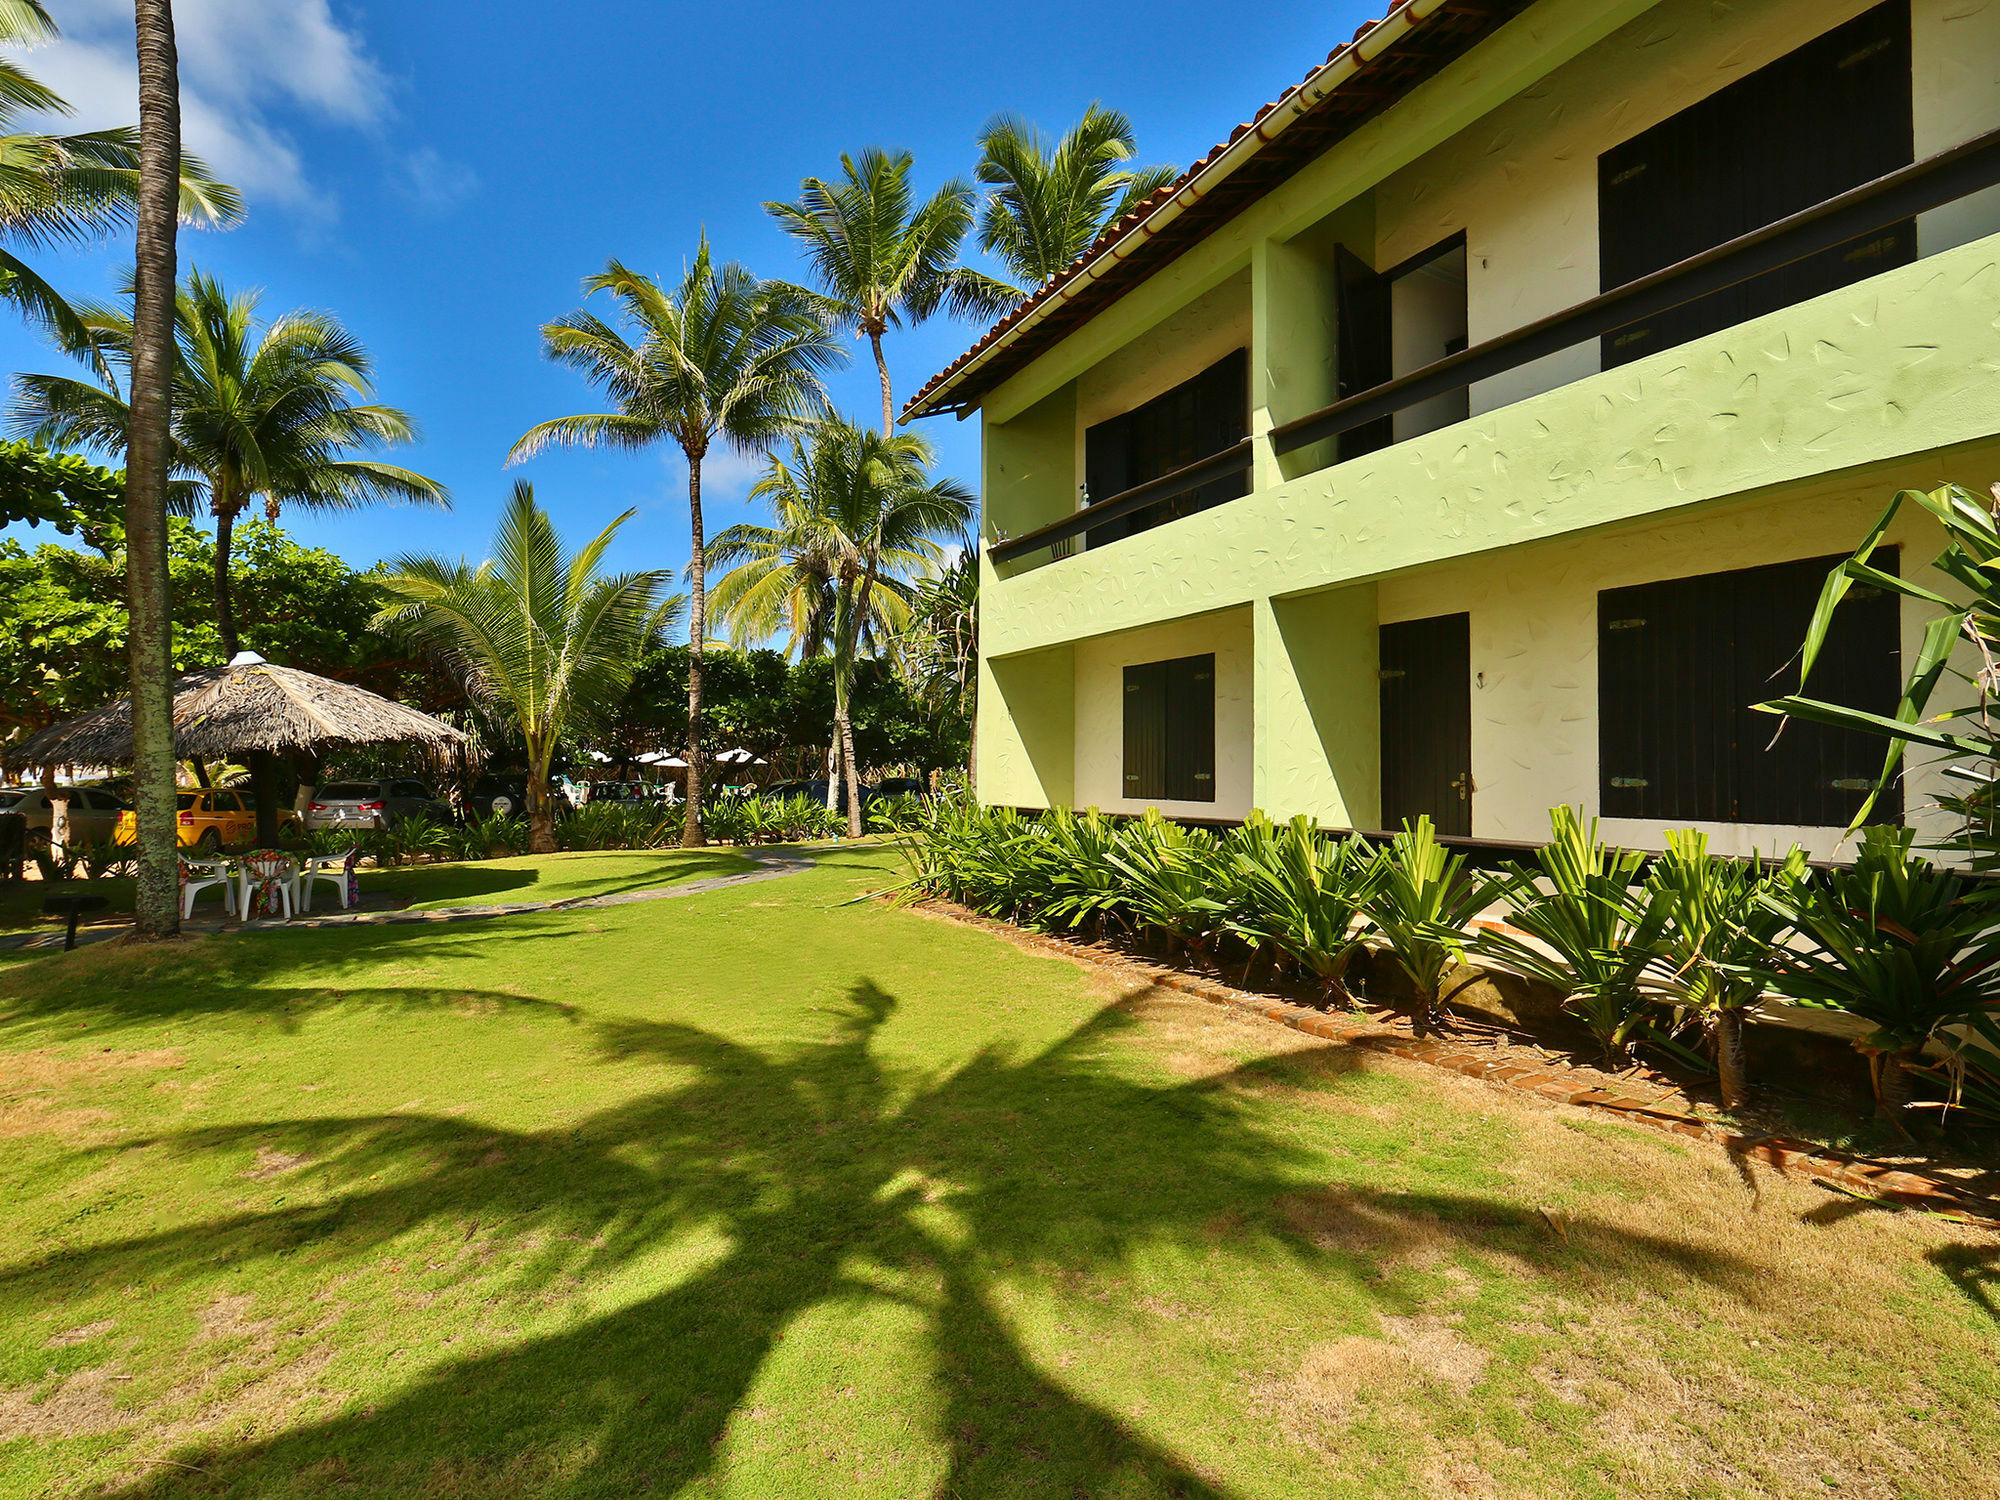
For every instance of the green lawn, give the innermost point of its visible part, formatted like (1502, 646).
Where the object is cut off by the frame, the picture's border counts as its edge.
(497, 882)
(758, 1194)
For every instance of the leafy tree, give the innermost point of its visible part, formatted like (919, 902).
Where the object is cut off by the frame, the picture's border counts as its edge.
(71, 189)
(865, 504)
(69, 492)
(722, 357)
(1049, 202)
(940, 650)
(882, 258)
(260, 411)
(548, 635)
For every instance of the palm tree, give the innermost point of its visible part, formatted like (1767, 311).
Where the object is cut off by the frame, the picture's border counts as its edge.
(156, 901)
(69, 189)
(259, 413)
(941, 647)
(1050, 203)
(722, 357)
(547, 638)
(881, 258)
(865, 503)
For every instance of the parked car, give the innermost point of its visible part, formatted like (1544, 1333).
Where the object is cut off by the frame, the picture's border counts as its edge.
(213, 820)
(93, 815)
(372, 804)
(500, 796)
(899, 786)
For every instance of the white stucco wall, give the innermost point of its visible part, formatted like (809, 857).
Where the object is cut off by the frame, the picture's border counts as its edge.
(1534, 637)
(1100, 711)
(1522, 183)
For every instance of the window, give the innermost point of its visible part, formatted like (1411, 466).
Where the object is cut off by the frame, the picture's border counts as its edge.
(1170, 730)
(1832, 115)
(1678, 666)
(1195, 419)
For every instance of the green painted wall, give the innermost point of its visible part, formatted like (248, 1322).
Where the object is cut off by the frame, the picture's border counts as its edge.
(1024, 744)
(1030, 468)
(1318, 725)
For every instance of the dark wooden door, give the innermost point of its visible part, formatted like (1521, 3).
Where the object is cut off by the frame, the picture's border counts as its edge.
(1364, 352)
(1427, 722)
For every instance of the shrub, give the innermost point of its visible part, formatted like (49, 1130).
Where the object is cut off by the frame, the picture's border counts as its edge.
(617, 825)
(1422, 905)
(1179, 881)
(403, 841)
(1306, 896)
(1908, 947)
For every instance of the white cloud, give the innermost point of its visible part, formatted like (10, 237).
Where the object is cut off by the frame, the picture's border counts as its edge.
(243, 64)
(434, 184)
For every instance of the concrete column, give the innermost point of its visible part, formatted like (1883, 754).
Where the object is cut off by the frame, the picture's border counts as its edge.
(1318, 707)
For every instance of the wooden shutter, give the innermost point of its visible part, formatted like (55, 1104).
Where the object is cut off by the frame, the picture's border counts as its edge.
(1190, 728)
(1828, 117)
(1107, 469)
(1146, 732)
(1426, 703)
(1365, 351)
(1680, 664)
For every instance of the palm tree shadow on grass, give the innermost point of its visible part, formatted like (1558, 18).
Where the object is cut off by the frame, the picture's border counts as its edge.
(817, 1169)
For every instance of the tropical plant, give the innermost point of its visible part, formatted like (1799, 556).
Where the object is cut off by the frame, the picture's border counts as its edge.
(1307, 896)
(1598, 936)
(1422, 905)
(1085, 890)
(1723, 938)
(1049, 202)
(547, 636)
(863, 505)
(618, 825)
(406, 840)
(1910, 948)
(1966, 739)
(1179, 881)
(721, 358)
(70, 189)
(940, 649)
(881, 258)
(261, 411)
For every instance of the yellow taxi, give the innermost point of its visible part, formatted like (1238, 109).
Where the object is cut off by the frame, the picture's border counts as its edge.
(212, 820)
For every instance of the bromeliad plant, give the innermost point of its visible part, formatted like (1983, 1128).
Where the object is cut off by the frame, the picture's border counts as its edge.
(1180, 882)
(1307, 897)
(1725, 932)
(1908, 947)
(1422, 905)
(1598, 936)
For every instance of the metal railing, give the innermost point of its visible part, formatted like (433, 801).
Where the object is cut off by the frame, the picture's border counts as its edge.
(1888, 200)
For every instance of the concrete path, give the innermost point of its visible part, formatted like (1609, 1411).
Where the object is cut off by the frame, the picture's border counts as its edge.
(774, 863)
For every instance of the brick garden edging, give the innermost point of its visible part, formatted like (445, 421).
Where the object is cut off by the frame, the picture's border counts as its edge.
(1839, 1171)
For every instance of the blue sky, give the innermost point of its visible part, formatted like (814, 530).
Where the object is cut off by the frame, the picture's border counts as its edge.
(443, 173)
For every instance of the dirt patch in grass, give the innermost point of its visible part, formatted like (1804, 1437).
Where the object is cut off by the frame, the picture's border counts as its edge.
(84, 1405)
(33, 1085)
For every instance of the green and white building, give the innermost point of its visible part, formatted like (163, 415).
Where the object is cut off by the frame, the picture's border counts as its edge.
(1471, 431)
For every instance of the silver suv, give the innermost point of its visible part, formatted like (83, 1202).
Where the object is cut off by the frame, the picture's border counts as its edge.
(93, 815)
(372, 804)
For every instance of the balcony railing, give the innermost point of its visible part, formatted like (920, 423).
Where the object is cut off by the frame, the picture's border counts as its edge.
(1929, 184)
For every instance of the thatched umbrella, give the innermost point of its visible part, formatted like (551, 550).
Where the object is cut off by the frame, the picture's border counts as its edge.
(250, 708)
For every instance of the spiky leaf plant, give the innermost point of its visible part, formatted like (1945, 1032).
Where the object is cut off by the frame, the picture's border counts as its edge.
(1423, 904)
(1307, 896)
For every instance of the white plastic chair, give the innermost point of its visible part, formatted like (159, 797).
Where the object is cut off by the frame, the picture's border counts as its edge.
(274, 876)
(338, 868)
(197, 875)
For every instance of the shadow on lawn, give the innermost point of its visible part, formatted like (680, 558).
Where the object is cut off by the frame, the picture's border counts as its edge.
(829, 1179)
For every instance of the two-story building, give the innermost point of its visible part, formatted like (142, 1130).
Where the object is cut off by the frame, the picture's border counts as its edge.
(1472, 430)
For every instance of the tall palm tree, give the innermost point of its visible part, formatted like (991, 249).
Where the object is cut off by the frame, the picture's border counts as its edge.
(721, 358)
(260, 412)
(156, 902)
(864, 503)
(882, 258)
(1050, 202)
(547, 638)
(68, 189)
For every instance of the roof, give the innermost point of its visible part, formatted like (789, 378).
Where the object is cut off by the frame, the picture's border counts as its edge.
(248, 705)
(1385, 60)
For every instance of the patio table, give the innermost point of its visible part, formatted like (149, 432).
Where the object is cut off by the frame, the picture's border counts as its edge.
(248, 879)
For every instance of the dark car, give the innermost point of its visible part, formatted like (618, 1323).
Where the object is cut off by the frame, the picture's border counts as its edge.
(502, 796)
(899, 786)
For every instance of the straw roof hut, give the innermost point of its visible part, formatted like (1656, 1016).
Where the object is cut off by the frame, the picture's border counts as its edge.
(247, 707)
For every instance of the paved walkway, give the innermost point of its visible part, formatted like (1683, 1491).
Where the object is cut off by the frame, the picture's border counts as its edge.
(774, 863)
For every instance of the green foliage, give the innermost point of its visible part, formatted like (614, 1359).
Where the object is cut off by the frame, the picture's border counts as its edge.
(1908, 947)
(1180, 882)
(1605, 935)
(619, 825)
(1422, 906)
(1307, 896)
(69, 492)
(404, 841)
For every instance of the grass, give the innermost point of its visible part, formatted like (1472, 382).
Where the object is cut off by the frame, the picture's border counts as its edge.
(495, 882)
(757, 1194)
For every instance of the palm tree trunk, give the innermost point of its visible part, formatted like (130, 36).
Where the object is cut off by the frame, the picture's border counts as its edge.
(225, 608)
(692, 836)
(882, 369)
(157, 902)
(541, 810)
(856, 824)
(1732, 1062)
